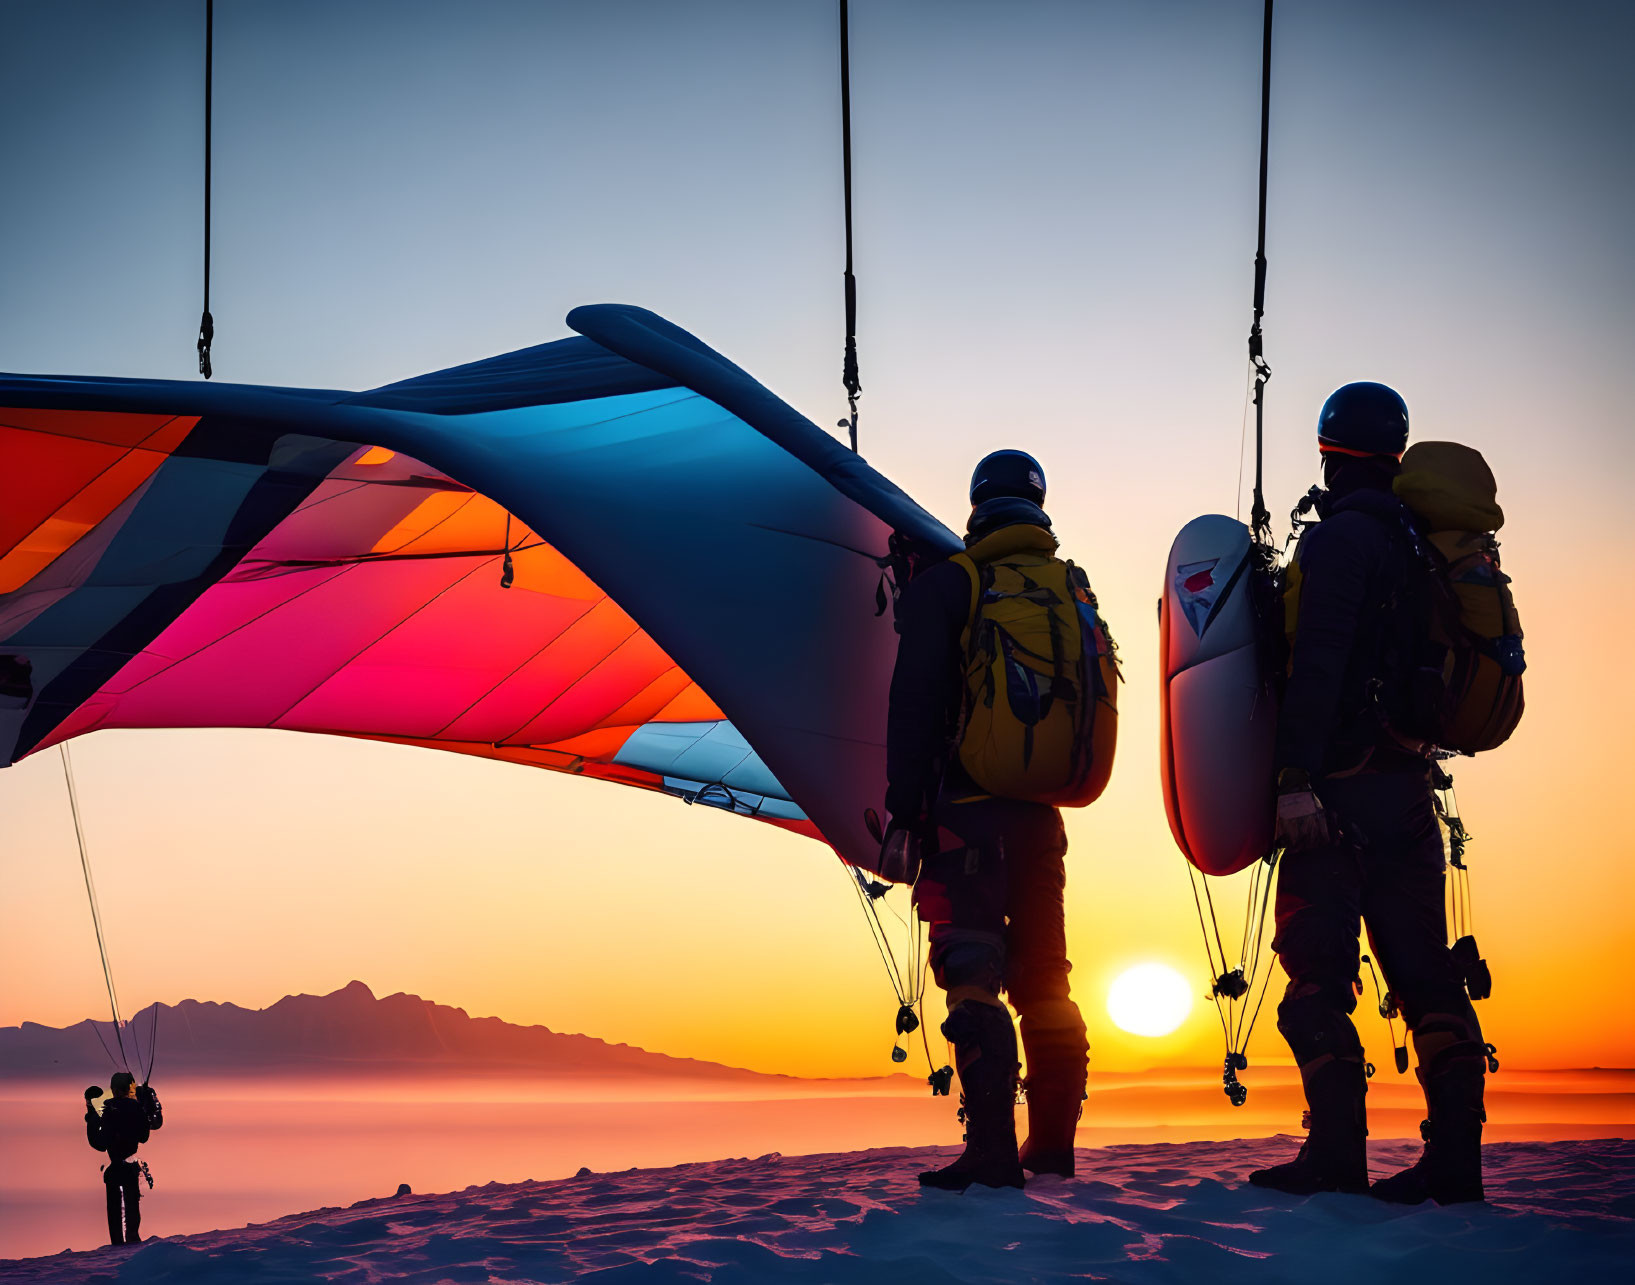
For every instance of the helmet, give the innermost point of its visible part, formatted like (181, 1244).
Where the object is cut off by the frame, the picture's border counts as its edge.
(1014, 473)
(1363, 419)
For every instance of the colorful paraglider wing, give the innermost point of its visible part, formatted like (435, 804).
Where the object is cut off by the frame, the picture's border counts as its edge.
(615, 555)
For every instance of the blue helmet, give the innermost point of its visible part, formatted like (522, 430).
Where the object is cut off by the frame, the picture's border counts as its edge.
(1363, 419)
(1013, 473)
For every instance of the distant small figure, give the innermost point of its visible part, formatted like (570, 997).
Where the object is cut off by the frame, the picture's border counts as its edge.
(1357, 820)
(976, 763)
(118, 1127)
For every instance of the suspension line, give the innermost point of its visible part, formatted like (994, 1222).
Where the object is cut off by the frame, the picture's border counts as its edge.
(96, 910)
(207, 323)
(1260, 520)
(908, 979)
(849, 375)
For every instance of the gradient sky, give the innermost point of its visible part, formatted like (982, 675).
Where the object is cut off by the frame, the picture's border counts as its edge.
(1055, 212)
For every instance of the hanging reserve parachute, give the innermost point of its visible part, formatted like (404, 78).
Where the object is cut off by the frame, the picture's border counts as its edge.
(615, 555)
(1219, 696)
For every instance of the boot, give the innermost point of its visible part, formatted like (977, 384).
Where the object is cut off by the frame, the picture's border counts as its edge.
(989, 1158)
(1449, 1170)
(1053, 1117)
(1058, 1057)
(1334, 1155)
(985, 1054)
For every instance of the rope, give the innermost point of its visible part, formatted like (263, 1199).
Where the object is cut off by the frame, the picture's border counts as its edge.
(96, 1030)
(882, 943)
(1254, 950)
(508, 570)
(1265, 985)
(96, 910)
(907, 980)
(1233, 990)
(849, 376)
(1203, 927)
(153, 1043)
(207, 323)
(1214, 923)
(1238, 1009)
(1260, 520)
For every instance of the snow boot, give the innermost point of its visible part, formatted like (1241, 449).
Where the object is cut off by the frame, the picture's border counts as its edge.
(1334, 1155)
(1058, 1061)
(1052, 1121)
(1449, 1170)
(985, 1053)
(1053, 1116)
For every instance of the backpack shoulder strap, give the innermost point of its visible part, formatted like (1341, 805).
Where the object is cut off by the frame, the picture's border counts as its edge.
(1385, 508)
(1412, 552)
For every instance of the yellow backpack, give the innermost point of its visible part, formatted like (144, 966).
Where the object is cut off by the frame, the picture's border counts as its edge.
(1460, 688)
(1451, 490)
(1040, 717)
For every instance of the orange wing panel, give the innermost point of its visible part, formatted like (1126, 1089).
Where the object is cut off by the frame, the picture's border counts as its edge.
(79, 468)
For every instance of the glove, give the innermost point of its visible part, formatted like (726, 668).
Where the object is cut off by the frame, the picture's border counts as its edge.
(149, 1100)
(900, 853)
(1303, 823)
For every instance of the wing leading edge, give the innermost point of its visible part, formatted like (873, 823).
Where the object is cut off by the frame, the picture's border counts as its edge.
(691, 605)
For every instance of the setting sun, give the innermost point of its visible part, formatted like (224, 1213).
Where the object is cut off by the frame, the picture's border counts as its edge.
(1149, 999)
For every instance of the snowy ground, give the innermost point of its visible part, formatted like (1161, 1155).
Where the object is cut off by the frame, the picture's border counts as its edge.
(1558, 1212)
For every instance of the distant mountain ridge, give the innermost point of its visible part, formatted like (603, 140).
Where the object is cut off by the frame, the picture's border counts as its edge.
(348, 1029)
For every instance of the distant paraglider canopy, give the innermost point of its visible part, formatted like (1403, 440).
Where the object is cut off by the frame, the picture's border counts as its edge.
(616, 555)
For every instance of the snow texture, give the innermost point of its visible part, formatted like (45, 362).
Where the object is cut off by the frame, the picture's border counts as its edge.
(1558, 1212)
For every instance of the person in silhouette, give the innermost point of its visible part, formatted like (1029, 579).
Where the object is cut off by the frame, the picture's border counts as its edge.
(993, 878)
(1356, 817)
(123, 1125)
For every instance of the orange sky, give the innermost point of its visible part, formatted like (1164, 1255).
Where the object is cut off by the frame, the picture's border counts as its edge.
(1051, 260)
